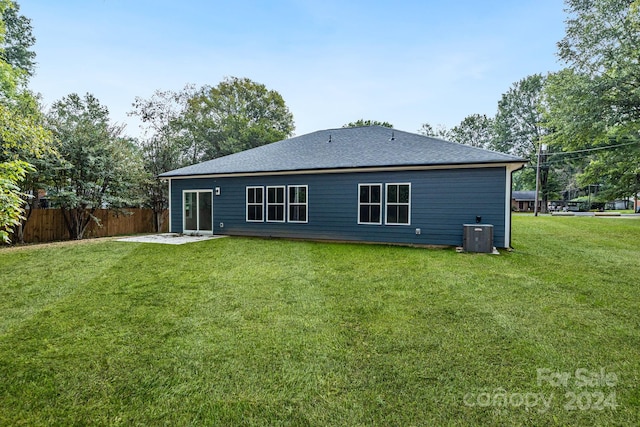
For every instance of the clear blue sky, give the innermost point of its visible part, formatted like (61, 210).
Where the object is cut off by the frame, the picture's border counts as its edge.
(405, 62)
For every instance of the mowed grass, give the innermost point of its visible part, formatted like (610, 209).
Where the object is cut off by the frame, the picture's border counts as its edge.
(243, 331)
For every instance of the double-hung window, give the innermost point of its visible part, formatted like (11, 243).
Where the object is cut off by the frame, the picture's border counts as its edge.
(398, 204)
(369, 203)
(275, 204)
(255, 204)
(298, 203)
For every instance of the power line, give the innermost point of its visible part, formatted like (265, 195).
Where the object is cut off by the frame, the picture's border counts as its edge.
(593, 149)
(559, 160)
(583, 156)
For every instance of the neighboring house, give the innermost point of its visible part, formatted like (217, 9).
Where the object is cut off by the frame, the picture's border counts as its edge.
(525, 201)
(619, 204)
(371, 184)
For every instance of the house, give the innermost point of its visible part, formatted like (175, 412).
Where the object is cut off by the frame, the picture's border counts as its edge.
(371, 184)
(619, 204)
(524, 201)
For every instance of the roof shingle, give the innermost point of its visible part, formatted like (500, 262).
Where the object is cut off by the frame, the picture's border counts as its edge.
(346, 148)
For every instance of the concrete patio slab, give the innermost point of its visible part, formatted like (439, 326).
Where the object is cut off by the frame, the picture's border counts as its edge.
(169, 238)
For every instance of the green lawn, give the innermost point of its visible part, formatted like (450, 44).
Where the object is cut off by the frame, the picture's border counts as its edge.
(243, 331)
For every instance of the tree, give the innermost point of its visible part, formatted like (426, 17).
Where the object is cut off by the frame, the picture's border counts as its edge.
(595, 103)
(18, 40)
(617, 171)
(518, 123)
(440, 131)
(40, 162)
(476, 130)
(22, 139)
(162, 145)
(198, 124)
(11, 173)
(362, 122)
(98, 166)
(236, 115)
(519, 128)
(22, 136)
(602, 36)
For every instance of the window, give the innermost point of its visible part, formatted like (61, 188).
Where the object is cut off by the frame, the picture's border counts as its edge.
(297, 203)
(369, 203)
(398, 206)
(275, 204)
(255, 204)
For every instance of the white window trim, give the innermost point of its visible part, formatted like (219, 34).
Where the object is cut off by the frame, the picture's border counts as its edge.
(379, 184)
(305, 204)
(283, 204)
(386, 203)
(247, 204)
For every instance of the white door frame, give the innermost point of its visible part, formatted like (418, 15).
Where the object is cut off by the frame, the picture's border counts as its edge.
(197, 210)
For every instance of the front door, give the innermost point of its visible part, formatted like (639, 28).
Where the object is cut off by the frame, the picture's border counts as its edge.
(198, 211)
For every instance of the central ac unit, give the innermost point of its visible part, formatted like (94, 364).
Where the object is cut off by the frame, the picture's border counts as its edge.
(477, 238)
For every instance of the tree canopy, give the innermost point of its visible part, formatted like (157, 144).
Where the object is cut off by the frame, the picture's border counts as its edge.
(595, 102)
(98, 166)
(476, 130)
(162, 145)
(362, 122)
(22, 136)
(440, 131)
(235, 115)
(198, 124)
(18, 40)
(518, 122)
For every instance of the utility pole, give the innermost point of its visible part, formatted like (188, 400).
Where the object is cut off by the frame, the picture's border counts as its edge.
(541, 148)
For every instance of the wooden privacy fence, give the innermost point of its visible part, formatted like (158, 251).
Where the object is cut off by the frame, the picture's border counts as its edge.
(47, 225)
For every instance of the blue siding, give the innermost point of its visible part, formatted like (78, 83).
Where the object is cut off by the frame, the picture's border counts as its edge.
(441, 201)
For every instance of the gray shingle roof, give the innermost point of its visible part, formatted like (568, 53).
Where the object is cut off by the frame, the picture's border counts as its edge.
(360, 147)
(523, 195)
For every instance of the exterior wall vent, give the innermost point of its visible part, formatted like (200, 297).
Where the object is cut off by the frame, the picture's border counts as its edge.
(477, 238)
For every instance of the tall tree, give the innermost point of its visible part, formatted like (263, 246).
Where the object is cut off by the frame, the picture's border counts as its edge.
(519, 128)
(18, 40)
(476, 130)
(162, 144)
(518, 123)
(233, 116)
(22, 136)
(595, 103)
(23, 141)
(197, 124)
(362, 122)
(41, 161)
(602, 36)
(98, 167)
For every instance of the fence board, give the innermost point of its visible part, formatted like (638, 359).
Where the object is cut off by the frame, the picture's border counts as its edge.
(47, 225)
